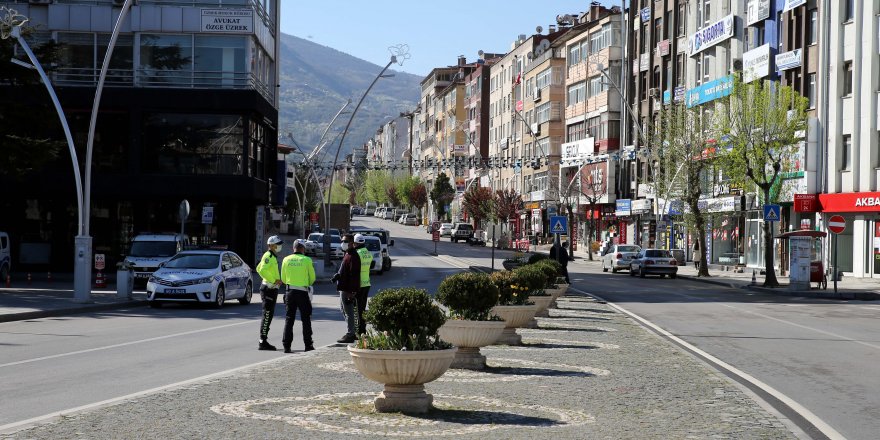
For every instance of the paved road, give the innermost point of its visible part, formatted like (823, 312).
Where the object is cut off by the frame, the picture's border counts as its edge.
(823, 354)
(54, 364)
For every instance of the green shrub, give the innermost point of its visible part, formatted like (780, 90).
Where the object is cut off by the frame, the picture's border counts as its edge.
(468, 295)
(533, 277)
(552, 270)
(534, 258)
(403, 319)
(512, 291)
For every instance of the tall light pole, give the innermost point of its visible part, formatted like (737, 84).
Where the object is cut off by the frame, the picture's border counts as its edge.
(399, 54)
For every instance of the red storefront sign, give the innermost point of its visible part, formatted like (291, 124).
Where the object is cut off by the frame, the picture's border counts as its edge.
(806, 203)
(850, 202)
(574, 235)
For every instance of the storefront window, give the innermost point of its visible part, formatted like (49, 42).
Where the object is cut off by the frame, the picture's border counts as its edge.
(193, 144)
(166, 59)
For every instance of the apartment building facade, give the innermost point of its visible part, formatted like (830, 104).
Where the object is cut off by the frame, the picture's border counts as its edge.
(189, 111)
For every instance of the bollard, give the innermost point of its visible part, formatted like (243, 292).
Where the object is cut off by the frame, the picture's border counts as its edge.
(754, 281)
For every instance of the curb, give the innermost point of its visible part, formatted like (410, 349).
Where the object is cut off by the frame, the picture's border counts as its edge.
(10, 317)
(782, 291)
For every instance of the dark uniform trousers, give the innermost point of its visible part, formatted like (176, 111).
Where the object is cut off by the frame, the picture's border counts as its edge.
(270, 297)
(296, 299)
(362, 297)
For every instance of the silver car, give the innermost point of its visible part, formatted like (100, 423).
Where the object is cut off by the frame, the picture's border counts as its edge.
(619, 257)
(654, 261)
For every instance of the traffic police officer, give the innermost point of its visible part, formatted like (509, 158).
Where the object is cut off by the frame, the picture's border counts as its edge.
(367, 263)
(298, 273)
(268, 270)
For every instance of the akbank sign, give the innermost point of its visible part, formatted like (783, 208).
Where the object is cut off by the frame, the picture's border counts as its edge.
(711, 35)
(709, 91)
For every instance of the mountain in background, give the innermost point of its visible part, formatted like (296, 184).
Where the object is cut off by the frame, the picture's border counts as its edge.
(317, 80)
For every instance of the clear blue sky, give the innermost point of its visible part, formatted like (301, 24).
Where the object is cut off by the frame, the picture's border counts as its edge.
(436, 32)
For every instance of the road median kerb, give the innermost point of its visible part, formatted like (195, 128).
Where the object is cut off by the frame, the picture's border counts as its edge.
(84, 308)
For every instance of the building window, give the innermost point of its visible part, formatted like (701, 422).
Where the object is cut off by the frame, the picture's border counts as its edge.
(574, 54)
(707, 11)
(849, 10)
(811, 90)
(577, 93)
(707, 66)
(199, 144)
(847, 152)
(698, 70)
(165, 59)
(847, 78)
(595, 86)
(814, 26)
(658, 30)
(680, 19)
(679, 69)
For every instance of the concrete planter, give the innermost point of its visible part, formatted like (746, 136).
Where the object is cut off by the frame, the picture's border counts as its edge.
(513, 316)
(543, 303)
(469, 336)
(404, 374)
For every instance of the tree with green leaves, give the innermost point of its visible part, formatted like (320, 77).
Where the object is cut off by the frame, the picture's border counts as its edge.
(375, 183)
(763, 122)
(404, 186)
(442, 195)
(477, 203)
(339, 193)
(683, 139)
(505, 204)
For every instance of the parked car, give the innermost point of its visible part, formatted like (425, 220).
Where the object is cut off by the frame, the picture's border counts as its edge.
(388, 214)
(386, 240)
(311, 243)
(335, 245)
(653, 261)
(374, 245)
(410, 220)
(203, 276)
(619, 257)
(148, 251)
(356, 210)
(446, 229)
(461, 231)
(370, 208)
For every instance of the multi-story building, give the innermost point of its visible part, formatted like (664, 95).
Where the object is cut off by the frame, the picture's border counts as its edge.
(431, 127)
(189, 111)
(477, 108)
(849, 97)
(593, 54)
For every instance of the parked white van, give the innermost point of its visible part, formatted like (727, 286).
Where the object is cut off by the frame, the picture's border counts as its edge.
(5, 258)
(148, 251)
(370, 208)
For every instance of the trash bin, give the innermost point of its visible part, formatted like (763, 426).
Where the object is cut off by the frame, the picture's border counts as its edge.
(124, 281)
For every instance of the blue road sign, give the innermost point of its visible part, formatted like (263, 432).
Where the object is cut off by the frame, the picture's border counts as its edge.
(772, 213)
(558, 224)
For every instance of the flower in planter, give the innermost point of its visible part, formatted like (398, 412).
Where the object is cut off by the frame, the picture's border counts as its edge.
(513, 291)
(403, 319)
(468, 296)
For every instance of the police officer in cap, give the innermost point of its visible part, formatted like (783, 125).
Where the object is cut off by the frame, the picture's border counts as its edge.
(367, 263)
(268, 270)
(298, 273)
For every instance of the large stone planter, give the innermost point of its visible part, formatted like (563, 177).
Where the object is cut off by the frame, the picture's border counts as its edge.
(404, 374)
(542, 303)
(513, 316)
(556, 293)
(469, 336)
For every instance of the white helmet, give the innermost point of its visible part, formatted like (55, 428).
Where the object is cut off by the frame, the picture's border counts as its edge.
(273, 240)
(359, 238)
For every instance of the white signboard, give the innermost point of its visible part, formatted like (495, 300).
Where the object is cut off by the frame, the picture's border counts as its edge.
(642, 206)
(100, 261)
(711, 35)
(207, 215)
(756, 63)
(791, 4)
(644, 62)
(799, 261)
(228, 21)
(788, 60)
(757, 10)
(578, 149)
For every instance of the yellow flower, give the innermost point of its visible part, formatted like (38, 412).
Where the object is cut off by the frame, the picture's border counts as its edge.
(514, 286)
(514, 294)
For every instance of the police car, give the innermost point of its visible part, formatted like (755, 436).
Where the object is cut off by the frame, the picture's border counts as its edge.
(201, 276)
(374, 245)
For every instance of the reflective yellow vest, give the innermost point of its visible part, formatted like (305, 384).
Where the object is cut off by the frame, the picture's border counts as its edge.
(297, 270)
(268, 268)
(366, 262)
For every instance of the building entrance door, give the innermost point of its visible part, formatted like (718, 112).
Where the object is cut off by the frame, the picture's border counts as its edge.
(875, 249)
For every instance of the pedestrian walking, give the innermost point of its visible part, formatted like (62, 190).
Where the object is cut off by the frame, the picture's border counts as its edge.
(298, 273)
(348, 284)
(367, 263)
(697, 255)
(562, 258)
(269, 271)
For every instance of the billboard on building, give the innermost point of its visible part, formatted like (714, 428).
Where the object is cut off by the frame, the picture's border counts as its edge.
(711, 35)
(788, 60)
(228, 21)
(757, 10)
(756, 63)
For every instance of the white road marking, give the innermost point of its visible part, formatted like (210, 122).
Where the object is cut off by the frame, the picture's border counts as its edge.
(808, 415)
(14, 426)
(124, 344)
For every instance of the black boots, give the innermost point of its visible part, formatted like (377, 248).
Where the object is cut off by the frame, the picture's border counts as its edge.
(265, 345)
(347, 339)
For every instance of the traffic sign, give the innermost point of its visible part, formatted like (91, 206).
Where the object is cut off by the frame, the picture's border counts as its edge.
(99, 261)
(772, 213)
(435, 236)
(836, 224)
(207, 215)
(558, 224)
(435, 226)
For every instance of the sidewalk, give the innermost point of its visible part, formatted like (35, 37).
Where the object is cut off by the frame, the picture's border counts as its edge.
(587, 372)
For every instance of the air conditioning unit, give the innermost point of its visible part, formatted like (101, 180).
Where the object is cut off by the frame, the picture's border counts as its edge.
(537, 95)
(653, 92)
